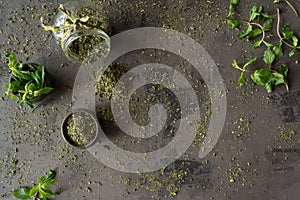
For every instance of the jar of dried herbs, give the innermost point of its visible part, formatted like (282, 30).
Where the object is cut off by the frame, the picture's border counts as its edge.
(81, 31)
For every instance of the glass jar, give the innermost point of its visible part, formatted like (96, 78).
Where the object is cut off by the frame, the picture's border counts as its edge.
(83, 42)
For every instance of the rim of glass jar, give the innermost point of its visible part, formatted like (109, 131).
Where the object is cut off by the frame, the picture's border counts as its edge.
(79, 33)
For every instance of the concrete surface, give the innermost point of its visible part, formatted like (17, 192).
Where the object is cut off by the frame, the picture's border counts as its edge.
(250, 161)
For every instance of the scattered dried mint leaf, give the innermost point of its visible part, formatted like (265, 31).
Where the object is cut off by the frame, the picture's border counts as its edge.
(81, 129)
(107, 80)
(83, 46)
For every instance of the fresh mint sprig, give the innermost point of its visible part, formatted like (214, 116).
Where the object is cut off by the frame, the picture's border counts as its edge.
(263, 76)
(259, 24)
(40, 191)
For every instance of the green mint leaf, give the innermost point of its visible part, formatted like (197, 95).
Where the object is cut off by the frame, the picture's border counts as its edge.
(234, 2)
(25, 75)
(51, 28)
(232, 5)
(233, 24)
(22, 193)
(292, 52)
(268, 87)
(32, 87)
(261, 76)
(38, 80)
(245, 32)
(278, 78)
(27, 87)
(235, 65)
(277, 49)
(267, 26)
(231, 10)
(84, 19)
(48, 179)
(42, 91)
(264, 16)
(19, 66)
(249, 62)
(27, 103)
(269, 56)
(11, 61)
(255, 33)
(12, 96)
(13, 86)
(267, 44)
(34, 190)
(29, 67)
(284, 70)
(287, 32)
(46, 192)
(295, 41)
(241, 80)
(255, 12)
(257, 44)
(42, 74)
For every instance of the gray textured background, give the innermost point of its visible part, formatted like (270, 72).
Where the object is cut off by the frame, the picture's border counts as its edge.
(264, 165)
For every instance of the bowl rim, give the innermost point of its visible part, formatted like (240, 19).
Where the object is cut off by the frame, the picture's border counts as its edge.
(64, 133)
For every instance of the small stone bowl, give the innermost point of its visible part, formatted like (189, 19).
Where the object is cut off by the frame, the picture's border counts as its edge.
(85, 122)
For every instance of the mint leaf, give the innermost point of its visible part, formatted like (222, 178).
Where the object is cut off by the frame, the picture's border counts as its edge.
(14, 86)
(269, 56)
(11, 60)
(284, 70)
(257, 44)
(84, 19)
(245, 32)
(22, 193)
(261, 76)
(234, 2)
(264, 16)
(46, 192)
(268, 87)
(232, 5)
(267, 44)
(31, 87)
(255, 33)
(287, 32)
(42, 74)
(25, 75)
(295, 41)
(48, 179)
(12, 96)
(255, 12)
(249, 62)
(233, 24)
(292, 52)
(235, 65)
(267, 26)
(34, 190)
(45, 90)
(277, 49)
(278, 78)
(264, 77)
(241, 80)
